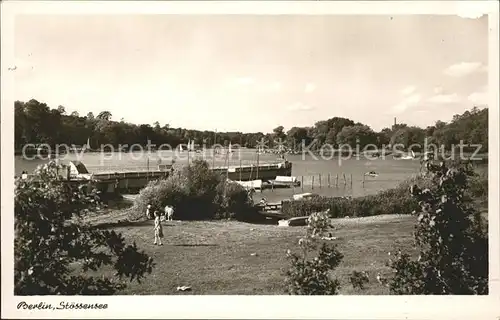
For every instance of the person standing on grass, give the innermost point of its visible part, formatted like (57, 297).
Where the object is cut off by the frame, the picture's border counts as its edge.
(148, 211)
(158, 229)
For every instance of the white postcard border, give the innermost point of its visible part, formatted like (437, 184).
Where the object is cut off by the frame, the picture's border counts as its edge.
(258, 307)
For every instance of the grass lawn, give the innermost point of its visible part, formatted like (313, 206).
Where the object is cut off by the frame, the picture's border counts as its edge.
(215, 257)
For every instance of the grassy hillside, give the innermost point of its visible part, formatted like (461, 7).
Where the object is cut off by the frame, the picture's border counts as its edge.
(215, 257)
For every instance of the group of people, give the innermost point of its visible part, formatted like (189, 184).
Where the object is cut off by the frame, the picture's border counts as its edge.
(158, 228)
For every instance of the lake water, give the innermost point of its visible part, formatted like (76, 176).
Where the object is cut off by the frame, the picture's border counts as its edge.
(390, 171)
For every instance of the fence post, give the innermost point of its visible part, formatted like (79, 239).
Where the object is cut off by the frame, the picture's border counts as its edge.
(319, 180)
(351, 180)
(312, 184)
(363, 180)
(345, 181)
(240, 169)
(213, 158)
(302, 183)
(329, 180)
(337, 180)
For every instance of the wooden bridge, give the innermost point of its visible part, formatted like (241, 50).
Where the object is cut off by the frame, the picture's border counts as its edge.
(132, 180)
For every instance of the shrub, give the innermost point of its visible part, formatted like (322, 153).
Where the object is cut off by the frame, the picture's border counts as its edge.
(392, 201)
(299, 208)
(50, 239)
(453, 247)
(478, 186)
(312, 276)
(359, 279)
(233, 202)
(196, 193)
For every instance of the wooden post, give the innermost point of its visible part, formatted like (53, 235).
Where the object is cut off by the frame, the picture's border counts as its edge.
(240, 169)
(336, 180)
(351, 180)
(345, 181)
(227, 165)
(302, 183)
(257, 166)
(272, 186)
(68, 173)
(329, 180)
(363, 180)
(319, 180)
(213, 158)
(312, 184)
(251, 172)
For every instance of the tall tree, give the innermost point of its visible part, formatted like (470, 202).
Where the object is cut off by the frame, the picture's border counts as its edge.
(352, 135)
(52, 240)
(104, 115)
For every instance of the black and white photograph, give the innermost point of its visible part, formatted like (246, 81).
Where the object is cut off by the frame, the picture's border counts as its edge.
(248, 153)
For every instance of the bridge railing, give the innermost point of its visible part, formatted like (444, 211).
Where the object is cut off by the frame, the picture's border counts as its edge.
(154, 168)
(113, 169)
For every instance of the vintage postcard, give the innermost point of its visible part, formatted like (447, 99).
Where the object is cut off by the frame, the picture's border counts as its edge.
(227, 159)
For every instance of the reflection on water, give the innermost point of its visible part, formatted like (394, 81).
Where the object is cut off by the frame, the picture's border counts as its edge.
(390, 171)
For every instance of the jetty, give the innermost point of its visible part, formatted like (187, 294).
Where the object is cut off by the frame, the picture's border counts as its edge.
(132, 180)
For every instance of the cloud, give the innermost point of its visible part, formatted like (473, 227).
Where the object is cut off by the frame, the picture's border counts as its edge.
(407, 103)
(408, 90)
(445, 98)
(298, 106)
(479, 97)
(464, 68)
(244, 81)
(438, 90)
(310, 87)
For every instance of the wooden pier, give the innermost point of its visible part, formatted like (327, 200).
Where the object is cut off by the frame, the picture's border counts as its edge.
(134, 180)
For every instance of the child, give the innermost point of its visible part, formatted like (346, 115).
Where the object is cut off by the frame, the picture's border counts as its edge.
(158, 229)
(148, 212)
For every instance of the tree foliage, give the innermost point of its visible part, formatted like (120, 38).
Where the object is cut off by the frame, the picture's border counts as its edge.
(53, 245)
(36, 123)
(453, 246)
(311, 275)
(358, 279)
(196, 193)
(357, 134)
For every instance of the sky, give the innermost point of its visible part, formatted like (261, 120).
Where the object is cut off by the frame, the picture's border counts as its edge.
(253, 73)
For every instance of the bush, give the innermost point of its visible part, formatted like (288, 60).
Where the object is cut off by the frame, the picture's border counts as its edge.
(478, 186)
(312, 276)
(453, 247)
(50, 239)
(233, 202)
(392, 201)
(196, 193)
(157, 194)
(359, 279)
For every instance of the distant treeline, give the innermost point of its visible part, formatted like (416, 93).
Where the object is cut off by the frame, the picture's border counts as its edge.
(36, 123)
